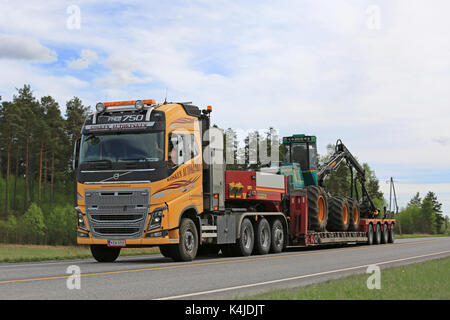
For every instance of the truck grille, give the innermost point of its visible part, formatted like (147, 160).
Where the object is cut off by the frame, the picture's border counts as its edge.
(117, 213)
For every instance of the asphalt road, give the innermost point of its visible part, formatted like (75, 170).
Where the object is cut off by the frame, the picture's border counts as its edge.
(156, 277)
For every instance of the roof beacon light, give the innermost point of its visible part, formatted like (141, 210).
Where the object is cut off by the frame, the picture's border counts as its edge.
(100, 107)
(139, 105)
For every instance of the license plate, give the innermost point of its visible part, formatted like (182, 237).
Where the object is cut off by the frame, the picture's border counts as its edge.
(116, 243)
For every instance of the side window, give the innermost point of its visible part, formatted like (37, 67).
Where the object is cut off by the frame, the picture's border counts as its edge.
(182, 148)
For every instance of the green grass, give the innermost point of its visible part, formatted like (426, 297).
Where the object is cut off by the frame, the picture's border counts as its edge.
(421, 281)
(25, 253)
(418, 235)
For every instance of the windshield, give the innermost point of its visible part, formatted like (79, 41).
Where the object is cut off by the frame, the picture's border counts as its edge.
(147, 146)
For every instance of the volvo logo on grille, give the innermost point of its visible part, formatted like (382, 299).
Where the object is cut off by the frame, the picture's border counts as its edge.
(116, 176)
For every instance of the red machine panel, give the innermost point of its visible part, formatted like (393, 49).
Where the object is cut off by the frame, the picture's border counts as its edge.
(254, 185)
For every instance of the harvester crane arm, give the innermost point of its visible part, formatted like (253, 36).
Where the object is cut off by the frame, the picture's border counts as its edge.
(340, 154)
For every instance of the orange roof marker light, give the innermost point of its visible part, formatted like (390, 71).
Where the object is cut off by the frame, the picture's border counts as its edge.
(209, 108)
(128, 103)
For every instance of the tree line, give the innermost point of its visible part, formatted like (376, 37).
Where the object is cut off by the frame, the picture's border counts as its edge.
(423, 216)
(36, 147)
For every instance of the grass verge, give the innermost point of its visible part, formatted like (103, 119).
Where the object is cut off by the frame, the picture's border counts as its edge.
(418, 235)
(25, 253)
(420, 281)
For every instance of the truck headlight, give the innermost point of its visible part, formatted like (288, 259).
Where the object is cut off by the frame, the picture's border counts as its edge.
(80, 221)
(155, 221)
(100, 107)
(139, 105)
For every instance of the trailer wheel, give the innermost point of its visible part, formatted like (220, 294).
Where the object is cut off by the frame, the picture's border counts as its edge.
(339, 218)
(244, 245)
(277, 241)
(391, 234)
(385, 234)
(317, 208)
(102, 253)
(370, 234)
(263, 237)
(377, 238)
(186, 250)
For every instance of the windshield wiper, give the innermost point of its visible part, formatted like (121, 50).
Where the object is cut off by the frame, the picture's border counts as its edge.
(140, 159)
(98, 161)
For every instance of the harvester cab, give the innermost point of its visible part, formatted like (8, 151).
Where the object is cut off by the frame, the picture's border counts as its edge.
(302, 149)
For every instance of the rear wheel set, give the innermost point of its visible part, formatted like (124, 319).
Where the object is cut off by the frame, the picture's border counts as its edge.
(260, 237)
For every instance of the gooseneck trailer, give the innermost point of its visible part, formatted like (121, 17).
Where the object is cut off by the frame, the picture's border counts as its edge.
(153, 174)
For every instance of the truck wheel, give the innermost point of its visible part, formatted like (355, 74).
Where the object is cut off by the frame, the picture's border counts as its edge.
(277, 237)
(227, 250)
(377, 235)
(385, 234)
(186, 250)
(370, 235)
(167, 250)
(339, 218)
(354, 215)
(262, 237)
(244, 245)
(102, 253)
(391, 238)
(317, 208)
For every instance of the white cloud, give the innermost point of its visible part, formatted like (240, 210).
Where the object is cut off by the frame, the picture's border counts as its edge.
(15, 47)
(87, 57)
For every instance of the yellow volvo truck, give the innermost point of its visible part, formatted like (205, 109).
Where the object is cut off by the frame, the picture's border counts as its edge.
(142, 179)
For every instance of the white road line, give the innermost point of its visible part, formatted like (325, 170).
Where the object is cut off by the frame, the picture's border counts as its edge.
(296, 278)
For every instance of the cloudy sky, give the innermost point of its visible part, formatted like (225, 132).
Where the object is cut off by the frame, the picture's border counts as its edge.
(375, 74)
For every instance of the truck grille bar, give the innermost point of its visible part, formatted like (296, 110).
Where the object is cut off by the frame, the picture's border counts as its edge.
(117, 213)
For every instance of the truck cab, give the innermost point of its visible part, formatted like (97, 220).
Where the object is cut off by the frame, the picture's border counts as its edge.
(139, 171)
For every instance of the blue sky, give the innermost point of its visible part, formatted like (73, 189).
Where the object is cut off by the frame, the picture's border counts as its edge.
(373, 73)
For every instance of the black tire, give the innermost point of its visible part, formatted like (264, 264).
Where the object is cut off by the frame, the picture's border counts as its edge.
(208, 250)
(167, 250)
(277, 236)
(103, 253)
(317, 208)
(227, 250)
(186, 250)
(377, 235)
(355, 217)
(370, 234)
(245, 243)
(391, 238)
(339, 217)
(263, 237)
(385, 234)
(364, 209)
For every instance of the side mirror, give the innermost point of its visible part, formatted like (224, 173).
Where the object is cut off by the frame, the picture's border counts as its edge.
(76, 154)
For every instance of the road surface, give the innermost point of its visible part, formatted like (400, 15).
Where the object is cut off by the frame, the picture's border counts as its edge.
(156, 277)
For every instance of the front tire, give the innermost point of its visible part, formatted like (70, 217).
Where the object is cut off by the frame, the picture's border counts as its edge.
(102, 253)
(186, 250)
